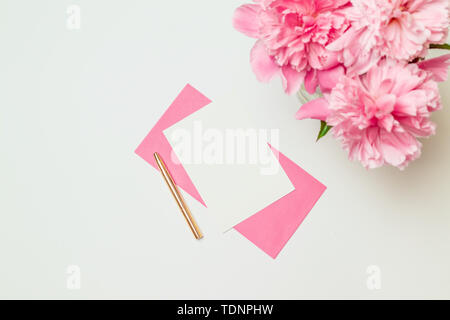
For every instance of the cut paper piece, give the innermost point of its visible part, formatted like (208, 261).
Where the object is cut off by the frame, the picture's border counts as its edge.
(186, 103)
(233, 186)
(271, 228)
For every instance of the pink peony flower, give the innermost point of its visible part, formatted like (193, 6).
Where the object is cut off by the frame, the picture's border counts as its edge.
(401, 29)
(292, 38)
(379, 116)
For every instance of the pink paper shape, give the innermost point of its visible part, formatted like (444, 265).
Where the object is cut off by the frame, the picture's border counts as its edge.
(187, 102)
(271, 228)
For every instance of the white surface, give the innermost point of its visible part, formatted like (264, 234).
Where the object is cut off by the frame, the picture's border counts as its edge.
(75, 104)
(233, 188)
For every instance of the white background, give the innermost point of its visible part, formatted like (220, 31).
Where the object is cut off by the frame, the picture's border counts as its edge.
(74, 104)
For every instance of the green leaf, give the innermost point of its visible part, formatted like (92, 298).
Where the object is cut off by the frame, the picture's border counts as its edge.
(324, 128)
(445, 46)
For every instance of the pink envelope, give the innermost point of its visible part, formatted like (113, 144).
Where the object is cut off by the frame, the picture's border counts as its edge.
(270, 228)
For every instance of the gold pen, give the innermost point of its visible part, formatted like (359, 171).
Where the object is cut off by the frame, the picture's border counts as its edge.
(178, 197)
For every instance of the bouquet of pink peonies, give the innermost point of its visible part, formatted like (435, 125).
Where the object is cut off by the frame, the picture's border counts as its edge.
(363, 60)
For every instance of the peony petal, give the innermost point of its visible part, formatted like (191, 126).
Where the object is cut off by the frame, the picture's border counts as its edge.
(314, 109)
(437, 66)
(344, 40)
(292, 79)
(329, 78)
(385, 104)
(262, 64)
(405, 39)
(311, 81)
(387, 122)
(392, 154)
(245, 20)
(397, 148)
(433, 15)
(323, 5)
(321, 58)
(409, 103)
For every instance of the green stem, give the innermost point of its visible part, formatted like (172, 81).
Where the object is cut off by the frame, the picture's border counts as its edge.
(444, 46)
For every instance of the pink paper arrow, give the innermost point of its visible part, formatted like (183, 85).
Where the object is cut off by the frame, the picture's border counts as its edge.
(271, 228)
(186, 103)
